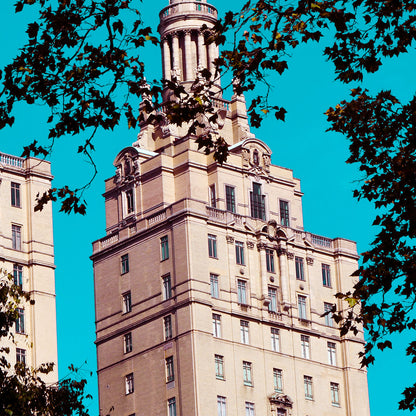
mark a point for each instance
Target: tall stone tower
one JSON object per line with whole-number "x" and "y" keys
{"x": 209, "y": 291}
{"x": 26, "y": 251}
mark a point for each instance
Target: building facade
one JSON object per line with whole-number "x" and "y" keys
{"x": 26, "y": 252}
{"x": 209, "y": 292}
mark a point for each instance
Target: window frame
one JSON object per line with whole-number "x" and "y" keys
{"x": 222, "y": 406}
{"x": 126, "y": 300}
{"x": 212, "y": 246}
{"x": 212, "y": 196}
{"x": 326, "y": 275}
{"x": 219, "y": 367}
{"x": 239, "y": 253}
{"x": 257, "y": 202}
{"x": 167, "y": 286}
{"x": 128, "y": 342}
{"x": 305, "y": 346}
{"x": 230, "y": 204}
{"x": 244, "y": 332}
{"x": 308, "y": 386}
{"x": 249, "y": 408}
{"x": 284, "y": 212}
{"x": 20, "y": 321}
{"x": 334, "y": 389}
{"x": 164, "y": 248}
{"x": 272, "y": 293}
{"x": 125, "y": 263}
{"x": 129, "y": 381}
{"x": 299, "y": 269}
{"x": 332, "y": 353}
{"x": 216, "y": 325}
{"x": 248, "y": 373}
{"x": 18, "y": 275}
{"x": 302, "y": 311}
{"x": 270, "y": 260}
{"x": 242, "y": 292}
{"x": 130, "y": 206}
{"x": 278, "y": 380}
{"x": 17, "y": 237}
{"x": 214, "y": 288}
{"x": 172, "y": 406}
{"x": 275, "y": 339}
{"x": 167, "y": 327}
{"x": 329, "y": 320}
{"x": 15, "y": 199}
{"x": 21, "y": 356}
{"x": 170, "y": 369}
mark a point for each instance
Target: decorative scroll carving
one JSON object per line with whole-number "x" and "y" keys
{"x": 281, "y": 251}
{"x": 250, "y": 245}
{"x": 309, "y": 261}
{"x": 230, "y": 240}
{"x": 290, "y": 255}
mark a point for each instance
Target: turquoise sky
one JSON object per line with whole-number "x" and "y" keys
{"x": 301, "y": 143}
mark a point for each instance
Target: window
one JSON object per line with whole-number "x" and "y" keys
{"x": 167, "y": 321}
{"x": 164, "y": 248}
{"x": 249, "y": 409}
{"x": 242, "y": 292}
{"x": 326, "y": 275}
{"x": 221, "y": 405}
{"x": 307, "y": 382}
{"x": 305, "y": 347}
{"x": 332, "y": 353}
{"x": 167, "y": 287}
{"x": 257, "y": 203}
{"x": 125, "y": 264}
{"x": 216, "y": 325}
{"x": 20, "y": 355}
{"x": 130, "y": 201}
{"x": 302, "y": 306}
{"x": 300, "y": 275}
{"x": 128, "y": 343}
{"x": 172, "y": 407}
{"x": 129, "y": 383}
{"x": 18, "y": 275}
{"x": 270, "y": 260}
{"x": 328, "y": 317}
{"x": 273, "y": 299}
{"x": 16, "y": 237}
{"x": 334, "y": 394}
{"x": 213, "y": 279}
{"x": 127, "y": 302}
{"x": 212, "y": 246}
{"x": 247, "y": 376}
{"x": 239, "y": 252}
{"x": 230, "y": 198}
{"x": 284, "y": 213}
{"x": 20, "y": 321}
{"x": 274, "y": 337}
{"x": 170, "y": 373}
{"x": 277, "y": 380}
{"x": 212, "y": 196}
{"x": 244, "y": 332}
{"x": 15, "y": 194}
{"x": 281, "y": 412}
{"x": 219, "y": 367}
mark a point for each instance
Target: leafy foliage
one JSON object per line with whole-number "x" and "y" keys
{"x": 22, "y": 390}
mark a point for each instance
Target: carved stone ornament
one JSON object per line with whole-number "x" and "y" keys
{"x": 250, "y": 245}
{"x": 281, "y": 251}
{"x": 309, "y": 261}
{"x": 230, "y": 240}
{"x": 290, "y": 255}
{"x": 261, "y": 246}
{"x": 282, "y": 402}
{"x": 118, "y": 174}
{"x": 245, "y": 154}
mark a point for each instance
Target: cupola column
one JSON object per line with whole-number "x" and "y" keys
{"x": 212, "y": 48}
{"x": 202, "y": 54}
{"x": 175, "y": 50}
{"x": 166, "y": 58}
{"x": 188, "y": 56}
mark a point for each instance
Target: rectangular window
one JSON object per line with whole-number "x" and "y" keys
{"x": 167, "y": 287}
{"x": 284, "y": 213}
{"x": 273, "y": 299}
{"x": 127, "y": 302}
{"x": 164, "y": 248}
{"x": 278, "y": 380}
{"x": 170, "y": 372}
{"x": 307, "y": 382}
{"x": 247, "y": 376}
{"x": 257, "y": 202}
{"x": 244, "y": 332}
{"x": 167, "y": 322}
{"x": 212, "y": 246}
{"x": 249, "y": 409}
{"x": 128, "y": 343}
{"x": 17, "y": 237}
{"x": 326, "y": 275}
{"x": 221, "y": 406}
{"x": 20, "y": 355}
{"x": 15, "y": 194}
{"x": 130, "y": 201}
{"x": 219, "y": 367}
{"x": 332, "y": 353}
{"x": 239, "y": 252}
{"x": 212, "y": 196}
{"x": 172, "y": 406}
{"x": 270, "y": 260}
{"x": 300, "y": 275}
{"x": 213, "y": 279}
{"x": 305, "y": 347}
{"x": 334, "y": 394}
{"x": 20, "y": 321}
{"x": 18, "y": 275}
{"x": 274, "y": 337}
{"x": 125, "y": 267}
{"x": 216, "y": 325}
{"x": 328, "y": 317}
{"x": 230, "y": 198}
{"x": 129, "y": 383}
{"x": 242, "y": 292}
{"x": 302, "y": 306}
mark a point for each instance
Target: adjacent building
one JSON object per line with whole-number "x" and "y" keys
{"x": 26, "y": 252}
{"x": 209, "y": 292}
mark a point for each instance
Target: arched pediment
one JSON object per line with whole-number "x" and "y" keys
{"x": 281, "y": 399}
{"x": 126, "y": 163}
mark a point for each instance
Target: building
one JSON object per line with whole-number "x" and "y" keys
{"x": 209, "y": 293}
{"x": 26, "y": 251}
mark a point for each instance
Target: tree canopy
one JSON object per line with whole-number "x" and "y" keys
{"x": 82, "y": 60}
